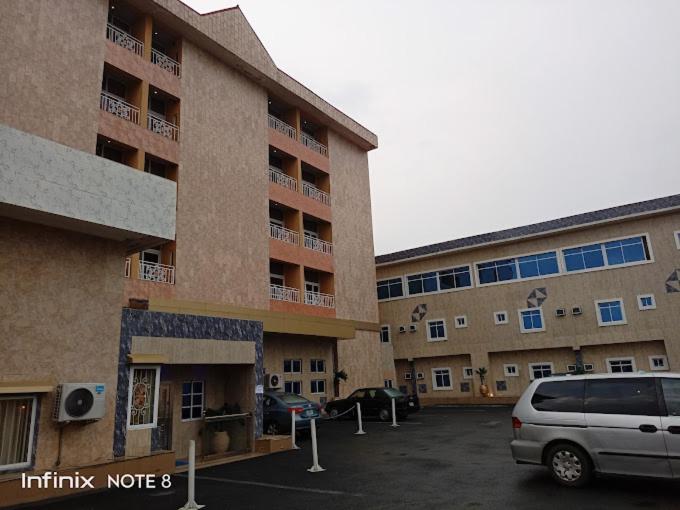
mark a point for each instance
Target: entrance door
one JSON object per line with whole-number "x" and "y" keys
{"x": 165, "y": 417}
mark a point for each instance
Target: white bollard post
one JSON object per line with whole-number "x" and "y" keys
{"x": 292, "y": 430}
{"x": 315, "y": 454}
{"x": 191, "y": 502}
{"x": 359, "y": 432}
{"x": 394, "y": 413}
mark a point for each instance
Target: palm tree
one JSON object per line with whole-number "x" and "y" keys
{"x": 481, "y": 372}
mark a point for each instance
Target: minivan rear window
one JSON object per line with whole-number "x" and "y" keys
{"x": 559, "y": 396}
{"x": 633, "y": 396}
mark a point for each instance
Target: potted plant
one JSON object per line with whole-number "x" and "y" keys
{"x": 483, "y": 388}
{"x": 340, "y": 375}
{"x": 220, "y": 437}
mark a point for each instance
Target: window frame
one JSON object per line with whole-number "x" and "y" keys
{"x": 658, "y": 369}
{"x": 621, "y": 358}
{"x": 32, "y": 432}
{"x": 604, "y": 254}
{"x": 456, "y": 325}
{"x": 191, "y": 406}
{"x": 314, "y": 366}
{"x": 407, "y": 292}
{"x": 676, "y": 236}
{"x": 291, "y": 365}
{"x": 408, "y": 376}
{"x": 508, "y": 374}
{"x": 536, "y": 363}
{"x": 603, "y": 324}
{"x": 292, "y": 387}
{"x": 388, "y": 383}
{"x": 498, "y": 322}
{"x": 404, "y": 294}
{"x": 642, "y": 307}
{"x": 429, "y": 331}
{"x": 434, "y": 379}
{"x": 522, "y": 329}
{"x": 385, "y": 328}
{"x": 157, "y": 388}
{"x": 465, "y": 374}
{"x": 515, "y": 258}
{"x": 317, "y": 381}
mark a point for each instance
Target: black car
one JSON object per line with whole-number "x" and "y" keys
{"x": 374, "y": 402}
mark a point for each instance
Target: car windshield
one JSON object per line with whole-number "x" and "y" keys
{"x": 393, "y": 392}
{"x": 292, "y": 398}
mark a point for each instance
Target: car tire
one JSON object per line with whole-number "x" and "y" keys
{"x": 334, "y": 413}
{"x": 385, "y": 414}
{"x": 272, "y": 429}
{"x": 569, "y": 465}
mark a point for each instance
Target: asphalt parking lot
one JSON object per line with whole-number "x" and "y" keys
{"x": 439, "y": 458}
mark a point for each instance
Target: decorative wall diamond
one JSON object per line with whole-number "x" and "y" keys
{"x": 418, "y": 313}
{"x": 537, "y": 297}
{"x": 673, "y": 282}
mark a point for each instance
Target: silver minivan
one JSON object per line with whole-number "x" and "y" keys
{"x": 576, "y": 425}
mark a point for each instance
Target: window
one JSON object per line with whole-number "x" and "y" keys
{"x": 631, "y": 395}
{"x": 527, "y": 266}
{"x": 408, "y": 376}
{"x": 436, "y": 330}
{"x": 17, "y": 427}
{"x": 441, "y": 280}
{"x": 388, "y": 383}
{"x": 677, "y": 239}
{"x": 610, "y": 312}
{"x": 531, "y": 320}
{"x": 500, "y": 318}
{"x": 646, "y": 302}
{"x": 559, "y": 396}
{"x": 441, "y": 379}
{"x": 540, "y": 370}
{"x": 620, "y": 365}
{"x": 659, "y": 362}
{"x": 192, "y": 400}
{"x": 671, "y": 394}
{"x": 292, "y": 366}
{"x": 143, "y": 397}
{"x": 389, "y": 289}
{"x": 588, "y": 367}
{"x": 385, "y": 334}
{"x": 460, "y": 321}
{"x": 611, "y": 253}
{"x": 317, "y": 366}
{"x": 511, "y": 370}
{"x": 468, "y": 373}
{"x": 318, "y": 386}
{"x": 293, "y": 387}
{"x": 276, "y": 274}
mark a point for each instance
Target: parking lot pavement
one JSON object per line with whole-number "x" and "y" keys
{"x": 455, "y": 457}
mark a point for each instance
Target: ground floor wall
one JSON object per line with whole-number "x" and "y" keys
{"x": 360, "y": 358}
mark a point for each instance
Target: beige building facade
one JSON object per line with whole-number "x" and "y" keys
{"x": 596, "y": 292}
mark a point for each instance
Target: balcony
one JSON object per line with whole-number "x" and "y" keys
{"x": 154, "y": 272}
{"x": 165, "y": 62}
{"x": 316, "y": 244}
{"x": 116, "y": 106}
{"x": 307, "y": 140}
{"x": 278, "y": 177}
{"x": 311, "y": 143}
{"x": 162, "y": 127}
{"x": 124, "y": 40}
{"x": 319, "y": 299}
{"x": 282, "y": 127}
{"x": 283, "y": 234}
{"x": 281, "y": 293}
{"x": 315, "y": 193}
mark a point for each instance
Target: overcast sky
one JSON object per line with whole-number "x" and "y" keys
{"x": 491, "y": 113}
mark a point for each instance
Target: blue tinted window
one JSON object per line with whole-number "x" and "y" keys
{"x": 584, "y": 257}
{"x": 532, "y": 319}
{"x": 390, "y": 288}
{"x": 462, "y": 275}
{"x": 626, "y": 251}
{"x": 538, "y": 265}
{"x": 610, "y": 311}
{"x": 420, "y": 283}
{"x": 497, "y": 271}
{"x": 454, "y": 278}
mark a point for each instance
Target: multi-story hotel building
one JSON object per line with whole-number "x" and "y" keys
{"x": 596, "y": 292}
{"x": 180, "y": 219}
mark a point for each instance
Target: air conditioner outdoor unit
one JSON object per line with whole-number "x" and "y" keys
{"x": 420, "y": 376}
{"x": 413, "y": 328}
{"x": 273, "y": 381}
{"x": 560, "y": 312}
{"x": 402, "y": 329}
{"x": 79, "y": 402}
{"x": 576, "y": 310}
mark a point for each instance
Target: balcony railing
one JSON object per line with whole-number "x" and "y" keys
{"x": 316, "y": 244}
{"x": 128, "y": 264}
{"x": 162, "y": 127}
{"x": 283, "y": 234}
{"x": 281, "y": 293}
{"x": 155, "y": 272}
{"x": 278, "y": 177}
{"x": 123, "y": 39}
{"x": 282, "y": 127}
{"x": 311, "y": 143}
{"x": 312, "y": 191}
{"x": 118, "y": 107}
{"x": 165, "y": 62}
{"x": 319, "y": 299}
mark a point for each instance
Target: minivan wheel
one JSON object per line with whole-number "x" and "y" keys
{"x": 569, "y": 465}
{"x": 333, "y": 413}
{"x": 384, "y": 414}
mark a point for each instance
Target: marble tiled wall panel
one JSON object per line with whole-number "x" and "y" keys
{"x": 41, "y": 175}
{"x": 60, "y": 322}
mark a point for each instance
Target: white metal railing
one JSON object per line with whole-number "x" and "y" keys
{"x": 165, "y": 62}
{"x": 283, "y": 234}
{"x": 316, "y": 244}
{"x": 155, "y": 272}
{"x": 128, "y": 264}
{"x": 281, "y": 293}
{"x": 118, "y": 107}
{"x": 162, "y": 127}
{"x": 319, "y": 299}
{"x": 122, "y": 38}
{"x": 278, "y": 177}
{"x": 311, "y": 191}
{"x": 282, "y": 127}
{"x": 311, "y": 143}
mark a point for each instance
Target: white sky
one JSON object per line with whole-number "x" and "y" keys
{"x": 491, "y": 113}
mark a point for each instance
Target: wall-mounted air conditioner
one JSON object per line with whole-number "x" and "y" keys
{"x": 576, "y": 310}
{"x": 420, "y": 376}
{"x": 413, "y": 328}
{"x": 79, "y": 401}
{"x": 402, "y": 329}
{"x": 273, "y": 381}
